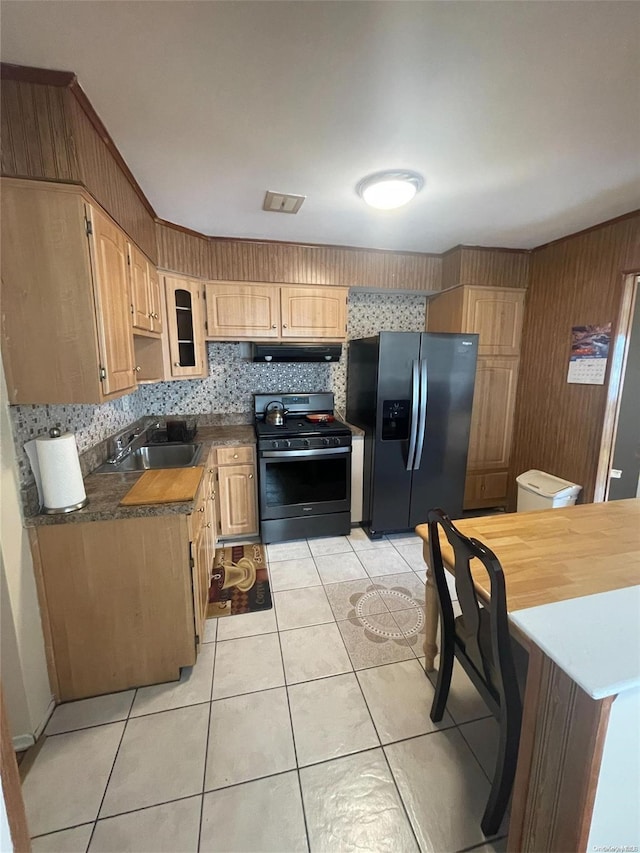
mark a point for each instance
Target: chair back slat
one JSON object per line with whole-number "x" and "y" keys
{"x": 465, "y": 550}
{"x": 479, "y": 640}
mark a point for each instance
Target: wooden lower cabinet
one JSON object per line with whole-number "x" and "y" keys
{"x": 237, "y": 493}
{"x": 203, "y": 547}
{"x": 123, "y": 602}
{"x": 485, "y": 490}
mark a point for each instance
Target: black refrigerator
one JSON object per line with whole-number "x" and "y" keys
{"x": 412, "y": 393}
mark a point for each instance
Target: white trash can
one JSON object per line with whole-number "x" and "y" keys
{"x": 538, "y": 490}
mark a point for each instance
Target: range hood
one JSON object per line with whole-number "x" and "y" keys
{"x": 296, "y": 352}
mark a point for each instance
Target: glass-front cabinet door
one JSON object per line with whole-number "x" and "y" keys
{"x": 186, "y": 327}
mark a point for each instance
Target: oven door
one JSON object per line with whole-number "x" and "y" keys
{"x": 304, "y": 482}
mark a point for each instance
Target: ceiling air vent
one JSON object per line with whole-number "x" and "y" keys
{"x": 282, "y": 202}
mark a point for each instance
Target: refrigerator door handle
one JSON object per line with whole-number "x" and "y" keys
{"x": 423, "y": 414}
{"x": 415, "y": 401}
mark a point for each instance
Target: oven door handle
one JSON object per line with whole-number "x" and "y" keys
{"x": 294, "y": 454}
{"x": 414, "y": 414}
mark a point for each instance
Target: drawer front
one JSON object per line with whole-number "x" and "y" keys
{"x": 236, "y": 455}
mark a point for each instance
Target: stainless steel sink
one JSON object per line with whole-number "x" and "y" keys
{"x": 152, "y": 456}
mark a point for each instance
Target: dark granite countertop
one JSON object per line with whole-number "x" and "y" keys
{"x": 105, "y": 491}
{"x": 354, "y": 429}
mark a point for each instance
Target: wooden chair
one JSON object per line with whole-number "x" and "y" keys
{"x": 479, "y": 638}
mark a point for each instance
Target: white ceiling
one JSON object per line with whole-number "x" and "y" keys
{"x": 523, "y": 117}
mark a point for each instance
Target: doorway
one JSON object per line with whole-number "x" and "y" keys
{"x": 619, "y": 469}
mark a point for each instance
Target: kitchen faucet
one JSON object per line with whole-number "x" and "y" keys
{"x": 122, "y": 444}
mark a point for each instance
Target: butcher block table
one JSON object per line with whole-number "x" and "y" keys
{"x": 550, "y": 555}
{"x": 572, "y": 579}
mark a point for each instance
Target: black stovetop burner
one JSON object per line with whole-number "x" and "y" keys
{"x": 300, "y": 426}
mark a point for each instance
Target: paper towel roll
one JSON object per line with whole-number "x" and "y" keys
{"x": 61, "y": 486}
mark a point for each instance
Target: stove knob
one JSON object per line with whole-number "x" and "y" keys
{"x": 306, "y": 442}
{"x": 325, "y": 441}
{"x": 274, "y": 444}
{"x": 336, "y": 441}
{"x": 287, "y": 443}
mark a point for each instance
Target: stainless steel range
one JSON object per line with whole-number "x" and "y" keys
{"x": 304, "y": 468}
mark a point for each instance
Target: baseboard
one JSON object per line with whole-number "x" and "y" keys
{"x": 50, "y": 709}
{"x": 23, "y": 742}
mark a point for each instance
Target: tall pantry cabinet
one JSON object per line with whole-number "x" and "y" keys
{"x": 495, "y": 314}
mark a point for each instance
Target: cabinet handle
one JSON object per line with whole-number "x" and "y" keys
{"x": 251, "y": 476}
{"x": 137, "y": 368}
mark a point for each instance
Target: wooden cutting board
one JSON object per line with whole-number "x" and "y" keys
{"x": 163, "y": 486}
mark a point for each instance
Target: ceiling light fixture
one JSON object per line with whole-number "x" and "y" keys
{"x": 390, "y": 189}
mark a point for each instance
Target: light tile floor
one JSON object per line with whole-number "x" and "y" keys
{"x": 305, "y": 727}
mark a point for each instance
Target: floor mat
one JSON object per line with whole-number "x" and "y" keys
{"x": 240, "y": 581}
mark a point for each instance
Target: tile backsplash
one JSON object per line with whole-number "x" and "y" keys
{"x": 232, "y": 379}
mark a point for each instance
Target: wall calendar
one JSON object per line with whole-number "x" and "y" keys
{"x": 589, "y": 354}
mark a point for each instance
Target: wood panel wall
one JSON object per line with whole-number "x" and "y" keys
{"x": 46, "y": 133}
{"x": 574, "y": 281}
{"x": 494, "y": 267}
{"x": 182, "y": 251}
{"x": 330, "y": 265}
{"x": 486, "y": 266}
{"x": 101, "y": 174}
{"x": 37, "y": 139}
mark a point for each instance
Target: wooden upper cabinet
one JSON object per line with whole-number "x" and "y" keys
{"x": 146, "y": 308}
{"x": 492, "y": 414}
{"x": 139, "y": 284}
{"x": 237, "y": 311}
{"x": 260, "y": 312}
{"x": 66, "y": 317}
{"x": 187, "y": 349}
{"x": 495, "y": 313}
{"x": 156, "y": 303}
{"x": 111, "y": 292}
{"x": 309, "y": 312}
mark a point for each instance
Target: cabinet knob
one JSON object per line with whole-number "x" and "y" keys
{"x": 150, "y": 315}
{"x": 274, "y": 326}
{"x": 137, "y": 368}
{"x": 213, "y": 494}
{"x": 156, "y": 316}
{"x": 201, "y": 509}
{"x": 211, "y": 470}
{"x": 284, "y": 325}
{"x": 177, "y": 364}
{"x": 251, "y": 476}
{"x": 208, "y": 524}
{"x": 235, "y": 455}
